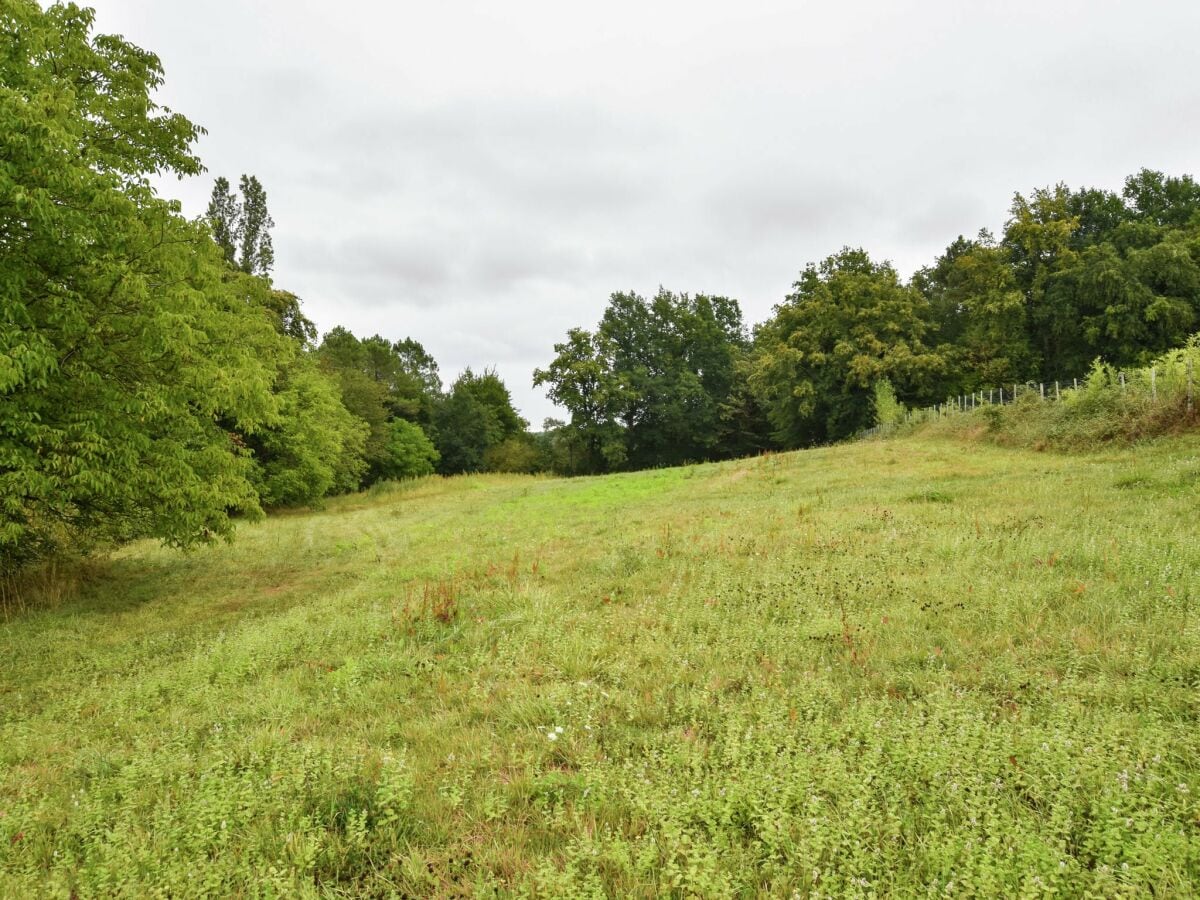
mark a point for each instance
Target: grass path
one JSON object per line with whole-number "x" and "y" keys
{"x": 908, "y": 667}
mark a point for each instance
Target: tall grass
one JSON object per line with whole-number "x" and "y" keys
{"x": 1110, "y": 405}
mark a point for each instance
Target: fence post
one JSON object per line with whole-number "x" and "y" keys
{"x": 1153, "y": 384}
{"x": 1076, "y": 380}
{"x": 1014, "y": 392}
{"x": 1122, "y": 375}
{"x": 1189, "y": 367}
{"x": 1057, "y": 392}
{"x": 1042, "y": 386}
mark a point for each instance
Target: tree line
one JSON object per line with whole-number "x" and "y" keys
{"x": 1076, "y": 276}
{"x": 156, "y": 382}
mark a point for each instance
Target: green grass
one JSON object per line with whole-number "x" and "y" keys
{"x": 923, "y": 666}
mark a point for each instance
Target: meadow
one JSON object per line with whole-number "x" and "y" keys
{"x": 927, "y": 666}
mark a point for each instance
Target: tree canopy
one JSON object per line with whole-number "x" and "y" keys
{"x": 123, "y": 343}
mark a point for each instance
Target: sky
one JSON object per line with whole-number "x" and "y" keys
{"x": 481, "y": 176}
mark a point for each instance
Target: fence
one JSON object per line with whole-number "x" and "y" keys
{"x": 1170, "y": 376}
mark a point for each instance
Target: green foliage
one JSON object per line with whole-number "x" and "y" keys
{"x": 849, "y": 323}
{"x": 410, "y": 452}
{"x": 979, "y": 316}
{"x": 1109, "y": 406}
{"x": 224, "y": 214}
{"x": 476, "y": 416}
{"x": 289, "y": 319}
{"x": 241, "y": 226}
{"x": 256, "y": 254}
{"x": 579, "y": 380}
{"x": 888, "y": 410}
{"x": 1106, "y": 277}
{"x": 657, "y": 384}
{"x": 315, "y": 447}
{"x": 123, "y": 340}
{"x": 515, "y": 454}
{"x": 382, "y": 383}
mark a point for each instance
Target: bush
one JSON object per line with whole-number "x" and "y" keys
{"x": 888, "y": 410}
{"x": 515, "y": 454}
{"x": 410, "y": 452}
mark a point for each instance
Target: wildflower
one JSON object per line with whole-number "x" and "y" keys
{"x": 552, "y": 736}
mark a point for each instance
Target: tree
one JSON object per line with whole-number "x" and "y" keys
{"x": 411, "y": 453}
{"x": 289, "y": 318}
{"x": 474, "y": 417}
{"x": 654, "y": 385}
{"x": 1106, "y": 276}
{"x": 849, "y": 323}
{"x": 242, "y": 226}
{"x": 979, "y": 316}
{"x": 382, "y": 382}
{"x": 673, "y": 359}
{"x": 224, "y": 217}
{"x": 520, "y": 454}
{"x": 315, "y": 447}
{"x": 256, "y": 252}
{"x": 1040, "y": 239}
{"x": 123, "y": 345}
{"x": 580, "y": 380}
{"x": 463, "y": 431}
{"x": 1163, "y": 200}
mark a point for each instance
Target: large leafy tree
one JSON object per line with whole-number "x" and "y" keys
{"x": 849, "y": 323}
{"x": 123, "y": 343}
{"x": 476, "y": 416}
{"x": 672, "y": 359}
{"x": 411, "y": 453}
{"x": 1106, "y": 275}
{"x": 978, "y": 316}
{"x": 580, "y": 380}
{"x": 1040, "y": 238}
{"x": 380, "y": 383}
{"x": 656, "y": 383}
{"x": 315, "y": 447}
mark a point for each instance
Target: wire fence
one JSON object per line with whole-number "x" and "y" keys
{"x": 1171, "y": 378}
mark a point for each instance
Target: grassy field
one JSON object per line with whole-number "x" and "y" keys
{"x": 915, "y": 667}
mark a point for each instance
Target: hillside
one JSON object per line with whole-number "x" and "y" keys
{"x": 913, "y": 666}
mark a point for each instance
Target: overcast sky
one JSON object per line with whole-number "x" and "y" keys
{"x": 482, "y": 175}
